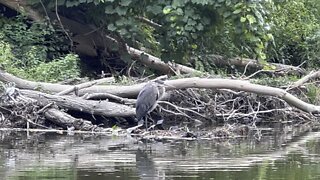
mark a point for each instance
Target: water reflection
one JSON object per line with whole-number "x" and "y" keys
{"x": 55, "y": 156}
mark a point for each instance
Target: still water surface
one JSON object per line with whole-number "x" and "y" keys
{"x": 81, "y": 157}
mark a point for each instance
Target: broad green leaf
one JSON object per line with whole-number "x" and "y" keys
{"x": 228, "y": 2}
{"x": 237, "y": 11}
{"x": 173, "y": 18}
{"x": 167, "y": 10}
{"x": 109, "y": 9}
{"x": 154, "y": 9}
{"x": 179, "y": 11}
{"x": 262, "y": 56}
{"x": 120, "y": 22}
{"x": 251, "y": 18}
{"x": 121, "y": 10}
{"x": 226, "y": 14}
{"x": 243, "y": 19}
{"x": 238, "y": 5}
{"x": 123, "y": 31}
{"x": 191, "y": 22}
{"x": 125, "y": 2}
{"x": 112, "y": 27}
{"x": 177, "y": 3}
{"x": 188, "y": 28}
{"x": 71, "y": 3}
{"x": 200, "y": 26}
{"x": 269, "y": 36}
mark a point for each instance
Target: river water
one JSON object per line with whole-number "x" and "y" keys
{"x": 81, "y": 157}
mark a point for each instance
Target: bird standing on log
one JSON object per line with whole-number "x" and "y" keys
{"x": 147, "y": 99}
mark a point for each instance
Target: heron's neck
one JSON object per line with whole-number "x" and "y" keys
{"x": 161, "y": 91}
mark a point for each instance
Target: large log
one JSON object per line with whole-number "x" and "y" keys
{"x": 243, "y": 86}
{"x": 65, "y": 120}
{"x": 104, "y": 108}
{"x": 253, "y": 65}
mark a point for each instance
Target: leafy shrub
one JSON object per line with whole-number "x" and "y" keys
{"x": 34, "y": 51}
{"x": 295, "y": 28}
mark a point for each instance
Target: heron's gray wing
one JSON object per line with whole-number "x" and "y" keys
{"x": 147, "y": 98}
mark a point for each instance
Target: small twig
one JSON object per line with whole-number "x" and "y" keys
{"x": 45, "y": 107}
{"x": 256, "y": 112}
{"x": 245, "y": 69}
{"x": 175, "y": 113}
{"x": 76, "y": 88}
{"x": 109, "y": 96}
{"x": 149, "y": 22}
{"x": 64, "y": 30}
{"x": 181, "y": 108}
{"x": 44, "y": 9}
{"x": 255, "y": 73}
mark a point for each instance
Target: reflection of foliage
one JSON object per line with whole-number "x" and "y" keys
{"x": 45, "y": 173}
{"x": 25, "y": 51}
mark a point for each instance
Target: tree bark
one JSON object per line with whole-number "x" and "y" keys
{"x": 253, "y": 64}
{"x": 104, "y": 108}
{"x": 243, "y": 86}
{"x": 65, "y": 120}
{"x": 21, "y": 5}
{"x": 157, "y": 64}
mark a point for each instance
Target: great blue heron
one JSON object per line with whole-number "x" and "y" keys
{"x": 148, "y": 98}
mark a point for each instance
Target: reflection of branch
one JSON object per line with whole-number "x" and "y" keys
{"x": 254, "y": 113}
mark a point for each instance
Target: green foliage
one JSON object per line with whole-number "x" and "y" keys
{"x": 276, "y": 81}
{"x": 313, "y": 93}
{"x": 183, "y": 29}
{"x": 295, "y": 26}
{"x": 58, "y": 69}
{"x": 25, "y": 51}
{"x": 187, "y": 27}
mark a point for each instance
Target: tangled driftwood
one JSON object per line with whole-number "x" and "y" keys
{"x": 227, "y": 101}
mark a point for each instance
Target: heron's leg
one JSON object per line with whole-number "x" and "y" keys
{"x": 146, "y": 122}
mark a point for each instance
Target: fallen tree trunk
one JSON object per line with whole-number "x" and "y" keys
{"x": 65, "y": 120}
{"x": 131, "y": 91}
{"x": 243, "y": 86}
{"x": 254, "y": 65}
{"x": 104, "y": 108}
{"x": 311, "y": 75}
{"x": 157, "y": 64}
